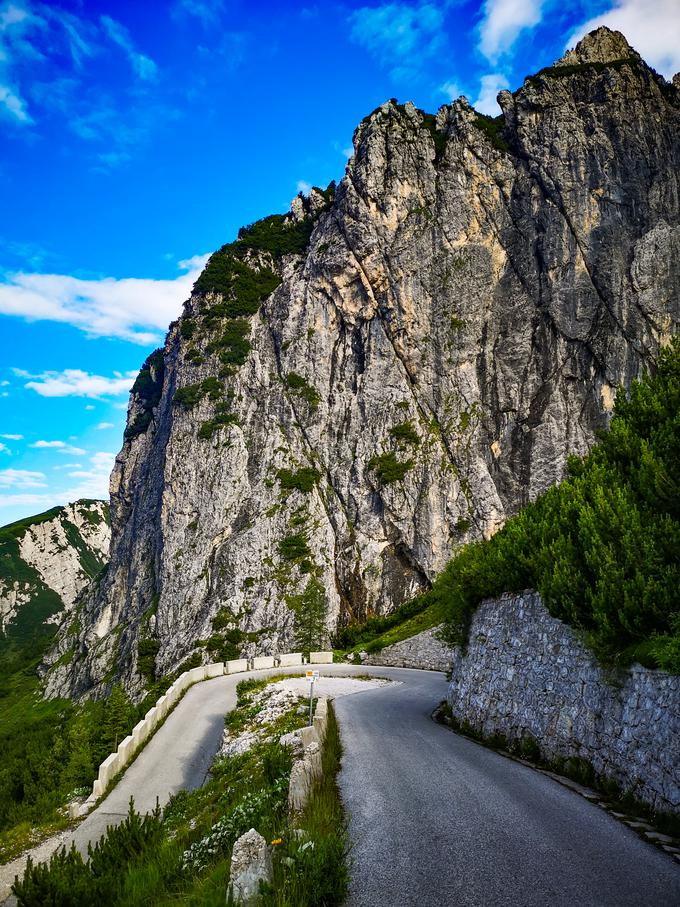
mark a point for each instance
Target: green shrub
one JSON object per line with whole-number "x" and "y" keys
{"x": 147, "y": 649}
{"x": 188, "y": 396}
{"x": 147, "y": 390}
{"x": 492, "y": 127}
{"x": 302, "y": 389}
{"x": 601, "y": 547}
{"x": 388, "y": 468}
{"x": 303, "y": 479}
{"x": 405, "y": 431}
{"x": 221, "y": 418}
{"x": 294, "y": 547}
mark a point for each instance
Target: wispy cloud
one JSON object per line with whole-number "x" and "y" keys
{"x": 451, "y": 90}
{"x": 489, "y": 86}
{"x": 304, "y": 186}
{"x": 143, "y": 66}
{"x": 60, "y": 447}
{"x": 102, "y": 426}
{"x": 502, "y": 23}
{"x": 13, "y": 437}
{"x": 401, "y": 36}
{"x": 21, "y": 478}
{"x": 208, "y": 12}
{"x": 651, "y": 26}
{"x": 134, "y": 309}
{"x": 90, "y": 482}
{"x": 73, "y": 382}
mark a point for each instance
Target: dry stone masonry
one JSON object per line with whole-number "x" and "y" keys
{"x": 424, "y": 651}
{"x": 456, "y": 327}
{"x": 526, "y": 674}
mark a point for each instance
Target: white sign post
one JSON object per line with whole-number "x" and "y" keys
{"x": 311, "y": 676}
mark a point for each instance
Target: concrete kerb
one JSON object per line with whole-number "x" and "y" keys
{"x": 309, "y": 769}
{"x": 144, "y": 729}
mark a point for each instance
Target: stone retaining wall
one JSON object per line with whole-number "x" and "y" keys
{"x": 526, "y": 674}
{"x": 423, "y": 651}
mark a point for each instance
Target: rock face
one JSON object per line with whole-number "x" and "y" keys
{"x": 526, "y": 675}
{"x": 47, "y": 560}
{"x": 455, "y": 326}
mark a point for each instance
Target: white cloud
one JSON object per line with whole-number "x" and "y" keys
{"x": 489, "y": 86}
{"x": 451, "y": 90}
{"x": 651, "y": 26}
{"x": 348, "y": 151}
{"x": 89, "y": 483}
{"x": 60, "y": 446}
{"x": 4, "y": 448}
{"x": 502, "y": 23}
{"x": 399, "y": 35}
{"x": 14, "y": 105}
{"x": 101, "y": 426}
{"x": 93, "y": 482}
{"x": 304, "y": 186}
{"x": 73, "y": 382}
{"x": 135, "y": 309}
{"x": 21, "y": 478}
{"x": 13, "y": 437}
{"x": 206, "y": 11}
{"x": 89, "y": 407}
{"x": 143, "y": 66}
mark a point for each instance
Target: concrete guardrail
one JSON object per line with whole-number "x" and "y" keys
{"x": 143, "y": 730}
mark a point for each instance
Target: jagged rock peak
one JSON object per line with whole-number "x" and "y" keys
{"x": 600, "y": 46}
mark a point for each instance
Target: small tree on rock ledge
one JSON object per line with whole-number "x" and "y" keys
{"x": 310, "y": 609}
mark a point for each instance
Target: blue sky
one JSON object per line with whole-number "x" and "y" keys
{"x": 135, "y": 138}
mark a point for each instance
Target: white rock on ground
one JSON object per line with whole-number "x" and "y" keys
{"x": 251, "y": 863}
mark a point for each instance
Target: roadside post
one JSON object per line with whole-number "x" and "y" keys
{"x": 311, "y": 677}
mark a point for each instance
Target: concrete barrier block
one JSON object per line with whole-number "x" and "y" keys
{"x": 107, "y": 770}
{"x": 236, "y": 666}
{"x": 214, "y": 670}
{"x": 97, "y": 789}
{"x": 309, "y": 735}
{"x": 162, "y": 706}
{"x": 263, "y": 661}
{"x": 321, "y": 706}
{"x": 290, "y": 658}
{"x": 196, "y": 674}
{"x": 320, "y": 658}
{"x": 126, "y": 749}
{"x": 320, "y": 725}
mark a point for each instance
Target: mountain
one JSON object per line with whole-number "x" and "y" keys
{"x": 45, "y": 562}
{"x": 358, "y": 388}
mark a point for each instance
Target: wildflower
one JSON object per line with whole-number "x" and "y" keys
{"x": 277, "y": 841}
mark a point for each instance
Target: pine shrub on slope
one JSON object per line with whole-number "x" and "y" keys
{"x": 603, "y": 547}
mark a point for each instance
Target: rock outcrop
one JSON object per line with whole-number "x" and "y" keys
{"x": 47, "y": 560}
{"x": 357, "y": 389}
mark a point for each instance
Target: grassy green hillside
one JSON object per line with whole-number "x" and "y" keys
{"x": 602, "y": 548}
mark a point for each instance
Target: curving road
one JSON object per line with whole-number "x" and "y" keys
{"x": 438, "y": 820}
{"x": 434, "y": 819}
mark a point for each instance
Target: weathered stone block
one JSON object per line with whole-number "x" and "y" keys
{"x": 236, "y": 666}
{"x": 251, "y": 864}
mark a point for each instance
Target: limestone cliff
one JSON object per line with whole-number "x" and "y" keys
{"x": 360, "y": 387}
{"x": 47, "y": 560}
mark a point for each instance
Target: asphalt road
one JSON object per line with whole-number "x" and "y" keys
{"x": 437, "y": 820}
